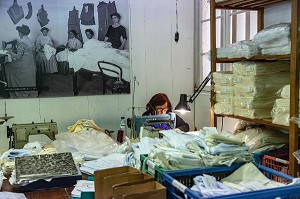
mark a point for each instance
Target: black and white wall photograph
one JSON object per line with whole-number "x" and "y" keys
{"x": 63, "y": 48}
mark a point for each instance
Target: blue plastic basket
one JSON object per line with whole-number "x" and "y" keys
{"x": 178, "y": 184}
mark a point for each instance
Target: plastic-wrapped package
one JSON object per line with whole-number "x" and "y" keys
{"x": 253, "y": 113}
{"x": 260, "y": 68}
{"x": 262, "y": 139}
{"x": 92, "y": 144}
{"x": 282, "y": 41}
{"x": 284, "y": 92}
{"x": 224, "y": 98}
{"x": 253, "y": 102}
{"x": 282, "y": 78}
{"x": 272, "y": 32}
{"x": 223, "y": 108}
{"x": 281, "y": 105}
{"x": 281, "y": 118}
{"x": 246, "y": 48}
{"x": 281, "y": 50}
{"x": 223, "y": 78}
{"x": 243, "y": 125}
{"x": 244, "y": 90}
{"x": 228, "y": 90}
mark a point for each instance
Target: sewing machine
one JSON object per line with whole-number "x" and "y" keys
{"x": 21, "y": 132}
{"x": 143, "y": 124}
{"x": 13, "y": 44}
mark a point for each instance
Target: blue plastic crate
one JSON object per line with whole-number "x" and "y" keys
{"x": 178, "y": 184}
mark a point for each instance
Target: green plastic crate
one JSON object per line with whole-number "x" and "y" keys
{"x": 151, "y": 168}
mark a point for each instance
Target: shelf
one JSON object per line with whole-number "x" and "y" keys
{"x": 255, "y": 58}
{"x": 266, "y": 122}
{"x": 293, "y": 57}
{"x": 246, "y": 4}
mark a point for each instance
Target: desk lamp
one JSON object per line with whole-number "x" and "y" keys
{"x": 183, "y": 106}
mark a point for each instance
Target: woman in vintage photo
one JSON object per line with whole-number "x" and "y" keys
{"x": 116, "y": 33}
{"x": 21, "y": 72}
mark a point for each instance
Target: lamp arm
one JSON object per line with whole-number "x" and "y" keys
{"x": 200, "y": 88}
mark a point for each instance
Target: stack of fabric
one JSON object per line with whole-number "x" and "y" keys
{"x": 274, "y": 40}
{"x": 220, "y": 148}
{"x": 206, "y": 148}
{"x": 281, "y": 108}
{"x": 254, "y": 90}
{"x": 223, "y": 87}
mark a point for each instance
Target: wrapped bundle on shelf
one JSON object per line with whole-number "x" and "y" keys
{"x": 246, "y": 48}
{"x": 223, "y": 78}
{"x": 282, "y": 78}
{"x": 221, "y": 98}
{"x": 284, "y": 92}
{"x": 272, "y": 33}
{"x": 281, "y": 50}
{"x": 223, "y": 108}
{"x": 253, "y": 102}
{"x": 227, "y": 90}
{"x": 253, "y": 113}
{"x": 281, "y": 111}
{"x": 243, "y": 90}
{"x": 274, "y": 40}
{"x": 260, "y": 68}
{"x": 241, "y": 49}
{"x": 263, "y": 139}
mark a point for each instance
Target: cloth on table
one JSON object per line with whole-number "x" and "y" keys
{"x": 94, "y": 51}
{"x": 90, "y": 144}
{"x": 83, "y": 124}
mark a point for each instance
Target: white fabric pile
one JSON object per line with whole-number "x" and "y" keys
{"x": 263, "y": 139}
{"x": 245, "y": 48}
{"x": 281, "y": 109}
{"x": 201, "y": 149}
{"x": 245, "y": 179}
{"x": 223, "y": 87}
{"x": 254, "y": 88}
{"x": 275, "y": 39}
{"x": 93, "y": 51}
{"x": 220, "y": 148}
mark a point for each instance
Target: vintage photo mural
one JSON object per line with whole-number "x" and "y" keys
{"x": 64, "y": 48}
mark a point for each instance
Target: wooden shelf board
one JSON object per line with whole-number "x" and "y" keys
{"x": 255, "y": 58}
{"x": 246, "y": 4}
{"x": 266, "y": 122}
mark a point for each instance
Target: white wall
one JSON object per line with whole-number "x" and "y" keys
{"x": 159, "y": 64}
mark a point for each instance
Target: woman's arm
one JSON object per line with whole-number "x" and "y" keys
{"x": 20, "y": 51}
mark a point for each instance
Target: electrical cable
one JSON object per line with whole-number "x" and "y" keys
{"x": 176, "y": 33}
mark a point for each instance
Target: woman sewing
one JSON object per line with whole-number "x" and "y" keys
{"x": 160, "y": 104}
{"x": 21, "y": 72}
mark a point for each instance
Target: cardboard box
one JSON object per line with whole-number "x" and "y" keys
{"x": 149, "y": 190}
{"x": 106, "y": 179}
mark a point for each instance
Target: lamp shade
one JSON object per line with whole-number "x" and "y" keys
{"x": 183, "y": 106}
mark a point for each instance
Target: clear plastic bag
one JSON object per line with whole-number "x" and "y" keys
{"x": 272, "y": 32}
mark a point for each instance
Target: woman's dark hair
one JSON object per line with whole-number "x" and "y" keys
{"x": 115, "y": 14}
{"x": 158, "y": 99}
{"x": 90, "y": 31}
{"x": 74, "y": 32}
